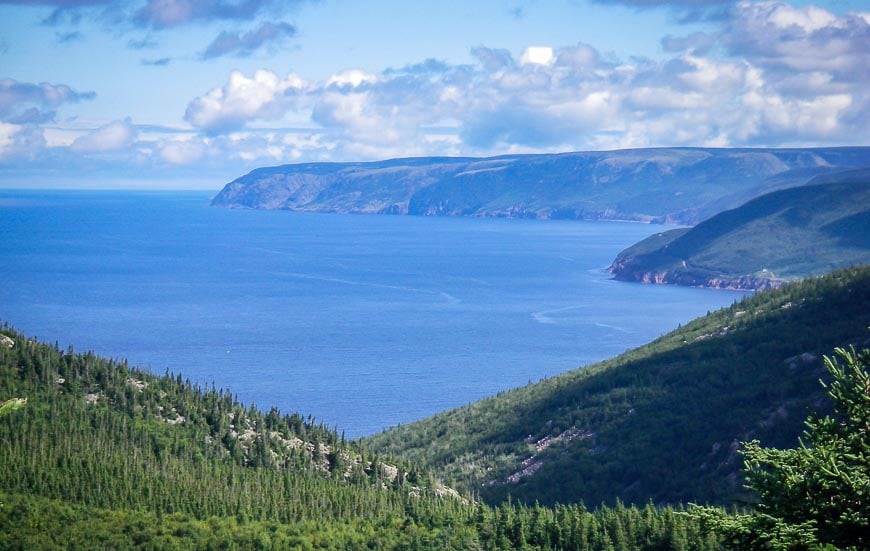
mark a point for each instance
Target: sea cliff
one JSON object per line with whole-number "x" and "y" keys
{"x": 666, "y": 185}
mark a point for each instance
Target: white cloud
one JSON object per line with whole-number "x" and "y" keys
{"x": 537, "y": 55}
{"x": 7, "y": 133}
{"x": 706, "y": 74}
{"x": 265, "y": 96}
{"x": 20, "y": 142}
{"x": 809, "y": 19}
{"x": 114, "y": 136}
{"x": 352, "y": 78}
{"x": 551, "y": 99}
{"x": 581, "y": 56}
{"x": 771, "y": 74}
{"x": 182, "y": 152}
{"x": 775, "y": 35}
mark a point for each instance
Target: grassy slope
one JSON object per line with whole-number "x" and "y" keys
{"x": 661, "y": 421}
{"x": 783, "y": 235}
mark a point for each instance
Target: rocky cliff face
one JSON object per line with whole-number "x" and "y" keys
{"x": 689, "y": 279}
{"x": 674, "y": 185}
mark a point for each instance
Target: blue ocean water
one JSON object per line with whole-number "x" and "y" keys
{"x": 363, "y": 322}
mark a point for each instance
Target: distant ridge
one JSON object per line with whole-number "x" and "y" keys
{"x": 779, "y": 237}
{"x": 678, "y": 185}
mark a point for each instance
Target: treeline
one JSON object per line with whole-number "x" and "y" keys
{"x": 28, "y": 522}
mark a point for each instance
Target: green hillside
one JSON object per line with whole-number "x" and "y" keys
{"x": 661, "y": 422}
{"x": 102, "y": 456}
{"x": 101, "y": 436}
{"x": 781, "y": 236}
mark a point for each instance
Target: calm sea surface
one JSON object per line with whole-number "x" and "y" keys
{"x": 362, "y": 321}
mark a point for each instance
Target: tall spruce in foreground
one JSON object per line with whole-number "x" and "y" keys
{"x": 817, "y": 494}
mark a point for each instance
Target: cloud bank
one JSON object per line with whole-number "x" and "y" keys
{"x": 783, "y": 76}
{"x": 770, "y": 74}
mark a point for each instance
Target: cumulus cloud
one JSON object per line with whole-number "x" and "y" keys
{"x": 234, "y": 43}
{"x": 350, "y": 79}
{"x": 7, "y": 137}
{"x": 716, "y": 89}
{"x": 265, "y": 96}
{"x": 28, "y": 102}
{"x": 182, "y": 152}
{"x": 698, "y": 42}
{"x": 768, "y": 74}
{"x": 430, "y": 66}
{"x": 780, "y": 37}
{"x": 537, "y": 55}
{"x": 493, "y": 59}
{"x": 115, "y": 136}
{"x": 20, "y": 142}
{"x": 578, "y": 57}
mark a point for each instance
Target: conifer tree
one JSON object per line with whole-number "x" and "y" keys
{"x": 817, "y": 494}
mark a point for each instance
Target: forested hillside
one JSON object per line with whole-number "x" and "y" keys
{"x": 779, "y": 237}
{"x": 103, "y": 456}
{"x": 661, "y": 422}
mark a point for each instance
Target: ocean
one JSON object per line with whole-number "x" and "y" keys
{"x": 363, "y": 322}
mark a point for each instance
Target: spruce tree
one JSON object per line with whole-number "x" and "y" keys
{"x": 817, "y": 494}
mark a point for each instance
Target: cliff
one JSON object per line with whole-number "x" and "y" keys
{"x": 674, "y": 185}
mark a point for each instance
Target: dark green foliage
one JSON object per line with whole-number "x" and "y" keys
{"x": 28, "y": 522}
{"x": 100, "y": 434}
{"x": 660, "y": 422}
{"x": 826, "y": 480}
{"x": 788, "y": 234}
{"x": 108, "y": 457}
{"x": 818, "y": 493}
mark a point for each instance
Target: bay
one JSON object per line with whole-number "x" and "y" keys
{"x": 364, "y": 322}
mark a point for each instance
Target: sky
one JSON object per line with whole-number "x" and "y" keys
{"x": 190, "y": 94}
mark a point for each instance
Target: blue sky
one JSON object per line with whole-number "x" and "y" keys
{"x": 192, "y": 93}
